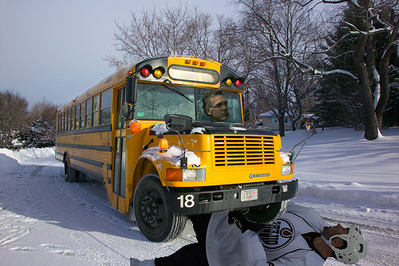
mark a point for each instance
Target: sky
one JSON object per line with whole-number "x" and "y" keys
{"x": 53, "y": 49}
{"x": 47, "y": 221}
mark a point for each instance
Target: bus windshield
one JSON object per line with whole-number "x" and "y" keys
{"x": 155, "y": 101}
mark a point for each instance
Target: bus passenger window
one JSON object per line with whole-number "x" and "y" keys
{"x": 121, "y": 101}
{"x": 82, "y": 115}
{"x": 105, "y": 112}
{"x": 68, "y": 119}
{"x": 88, "y": 113}
{"x": 62, "y": 122}
{"x": 77, "y": 116}
{"x": 73, "y": 118}
{"x": 95, "y": 111}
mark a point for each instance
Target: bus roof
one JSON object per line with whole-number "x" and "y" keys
{"x": 120, "y": 76}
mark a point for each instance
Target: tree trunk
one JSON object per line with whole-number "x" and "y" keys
{"x": 371, "y": 128}
{"x": 281, "y": 125}
{"x": 384, "y": 82}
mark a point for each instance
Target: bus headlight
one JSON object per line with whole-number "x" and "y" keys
{"x": 193, "y": 174}
{"x": 286, "y": 169}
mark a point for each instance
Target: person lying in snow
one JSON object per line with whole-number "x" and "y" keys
{"x": 298, "y": 237}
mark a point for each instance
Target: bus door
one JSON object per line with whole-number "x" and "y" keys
{"x": 119, "y": 169}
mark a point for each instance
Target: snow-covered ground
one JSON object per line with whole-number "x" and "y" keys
{"x": 47, "y": 221}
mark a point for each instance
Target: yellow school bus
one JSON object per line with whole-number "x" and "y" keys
{"x": 145, "y": 133}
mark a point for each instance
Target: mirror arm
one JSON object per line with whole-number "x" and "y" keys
{"x": 183, "y": 158}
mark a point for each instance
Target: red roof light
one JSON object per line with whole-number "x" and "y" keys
{"x": 237, "y": 83}
{"x": 145, "y": 72}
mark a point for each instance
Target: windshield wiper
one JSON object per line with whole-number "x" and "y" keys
{"x": 175, "y": 89}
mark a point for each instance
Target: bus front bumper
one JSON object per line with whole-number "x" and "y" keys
{"x": 221, "y": 199}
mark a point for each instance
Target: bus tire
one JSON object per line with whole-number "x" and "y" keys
{"x": 82, "y": 177}
{"x": 152, "y": 214}
{"x": 69, "y": 173}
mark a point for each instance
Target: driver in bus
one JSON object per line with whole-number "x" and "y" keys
{"x": 215, "y": 105}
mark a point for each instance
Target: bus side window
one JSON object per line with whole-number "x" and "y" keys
{"x": 95, "y": 111}
{"x": 73, "y": 118}
{"x": 121, "y": 101}
{"x": 82, "y": 115}
{"x": 88, "y": 112}
{"x": 68, "y": 120}
{"x": 63, "y": 122}
{"x": 77, "y": 115}
{"x": 105, "y": 111}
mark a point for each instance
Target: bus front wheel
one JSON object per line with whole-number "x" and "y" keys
{"x": 152, "y": 215}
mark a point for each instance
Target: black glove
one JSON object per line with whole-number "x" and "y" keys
{"x": 239, "y": 219}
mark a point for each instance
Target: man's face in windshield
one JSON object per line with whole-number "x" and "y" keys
{"x": 218, "y": 109}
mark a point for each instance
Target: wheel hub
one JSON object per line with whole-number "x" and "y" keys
{"x": 149, "y": 210}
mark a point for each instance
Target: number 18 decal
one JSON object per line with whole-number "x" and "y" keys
{"x": 187, "y": 201}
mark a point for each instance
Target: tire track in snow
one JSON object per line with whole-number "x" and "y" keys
{"x": 88, "y": 219}
{"x": 74, "y": 218}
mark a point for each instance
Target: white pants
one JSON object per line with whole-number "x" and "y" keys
{"x": 226, "y": 245}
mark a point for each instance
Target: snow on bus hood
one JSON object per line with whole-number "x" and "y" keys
{"x": 172, "y": 155}
{"x": 161, "y": 128}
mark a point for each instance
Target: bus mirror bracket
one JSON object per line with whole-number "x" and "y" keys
{"x": 178, "y": 123}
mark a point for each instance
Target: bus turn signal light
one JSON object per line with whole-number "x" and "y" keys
{"x": 135, "y": 126}
{"x": 174, "y": 174}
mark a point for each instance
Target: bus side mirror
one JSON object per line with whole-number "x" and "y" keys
{"x": 178, "y": 122}
{"x": 130, "y": 89}
{"x": 127, "y": 112}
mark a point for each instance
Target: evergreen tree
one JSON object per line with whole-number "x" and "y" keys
{"x": 391, "y": 114}
{"x": 38, "y": 134}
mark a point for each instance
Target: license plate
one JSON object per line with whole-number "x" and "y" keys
{"x": 249, "y": 194}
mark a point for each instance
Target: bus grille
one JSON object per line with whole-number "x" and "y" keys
{"x": 243, "y": 150}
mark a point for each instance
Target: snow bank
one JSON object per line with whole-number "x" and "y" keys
{"x": 30, "y": 155}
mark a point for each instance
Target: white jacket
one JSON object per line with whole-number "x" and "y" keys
{"x": 282, "y": 242}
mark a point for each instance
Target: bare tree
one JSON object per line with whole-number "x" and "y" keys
{"x": 44, "y": 109}
{"x": 226, "y": 43}
{"x": 170, "y": 30}
{"x": 274, "y": 27}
